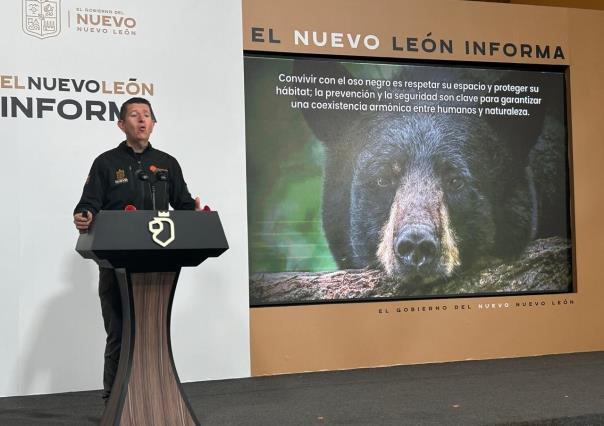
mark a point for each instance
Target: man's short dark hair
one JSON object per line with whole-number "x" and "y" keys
{"x": 124, "y": 107}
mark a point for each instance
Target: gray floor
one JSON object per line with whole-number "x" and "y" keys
{"x": 549, "y": 390}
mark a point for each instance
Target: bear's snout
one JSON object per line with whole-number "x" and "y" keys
{"x": 417, "y": 242}
{"x": 416, "y": 248}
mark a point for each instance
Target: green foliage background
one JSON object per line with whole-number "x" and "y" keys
{"x": 284, "y": 171}
{"x": 284, "y": 177}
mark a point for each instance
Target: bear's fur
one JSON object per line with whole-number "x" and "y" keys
{"x": 425, "y": 196}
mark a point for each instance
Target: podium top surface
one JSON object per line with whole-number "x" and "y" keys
{"x": 148, "y": 240}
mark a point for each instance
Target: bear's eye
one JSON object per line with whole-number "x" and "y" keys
{"x": 384, "y": 181}
{"x": 455, "y": 183}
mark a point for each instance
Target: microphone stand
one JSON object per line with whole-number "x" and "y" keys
{"x": 143, "y": 176}
{"x": 152, "y": 195}
{"x": 162, "y": 176}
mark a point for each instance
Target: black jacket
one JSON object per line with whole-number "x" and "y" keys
{"x": 114, "y": 181}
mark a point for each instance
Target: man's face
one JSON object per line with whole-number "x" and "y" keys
{"x": 138, "y": 124}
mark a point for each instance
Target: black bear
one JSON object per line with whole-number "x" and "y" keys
{"x": 425, "y": 196}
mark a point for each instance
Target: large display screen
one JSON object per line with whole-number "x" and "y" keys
{"x": 395, "y": 180}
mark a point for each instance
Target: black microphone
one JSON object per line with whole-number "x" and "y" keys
{"x": 142, "y": 175}
{"x": 161, "y": 175}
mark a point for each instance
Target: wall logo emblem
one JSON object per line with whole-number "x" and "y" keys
{"x": 156, "y": 227}
{"x": 42, "y": 18}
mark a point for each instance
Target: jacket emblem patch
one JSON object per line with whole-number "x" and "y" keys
{"x": 120, "y": 176}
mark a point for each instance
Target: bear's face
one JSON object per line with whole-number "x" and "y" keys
{"x": 425, "y": 196}
{"x": 421, "y": 195}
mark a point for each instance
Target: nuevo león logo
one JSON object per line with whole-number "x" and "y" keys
{"x": 42, "y": 18}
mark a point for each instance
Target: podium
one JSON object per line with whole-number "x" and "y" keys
{"x": 147, "y": 250}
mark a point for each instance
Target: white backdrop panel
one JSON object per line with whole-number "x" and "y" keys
{"x": 50, "y": 319}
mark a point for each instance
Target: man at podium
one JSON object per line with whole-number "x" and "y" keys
{"x": 132, "y": 176}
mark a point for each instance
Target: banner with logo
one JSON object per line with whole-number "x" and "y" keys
{"x": 401, "y": 180}
{"x": 394, "y": 162}
{"x": 67, "y": 66}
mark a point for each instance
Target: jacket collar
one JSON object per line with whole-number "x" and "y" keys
{"x": 124, "y": 146}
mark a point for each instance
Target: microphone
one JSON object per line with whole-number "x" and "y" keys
{"x": 142, "y": 175}
{"x": 161, "y": 175}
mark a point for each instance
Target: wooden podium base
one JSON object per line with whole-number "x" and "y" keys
{"x": 147, "y": 390}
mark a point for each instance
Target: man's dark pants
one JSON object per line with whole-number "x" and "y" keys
{"x": 111, "y": 307}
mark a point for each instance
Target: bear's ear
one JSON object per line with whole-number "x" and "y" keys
{"x": 327, "y": 124}
{"x": 520, "y": 133}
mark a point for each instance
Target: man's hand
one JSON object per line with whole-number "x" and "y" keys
{"x": 198, "y": 207}
{"x": 82, "y": 223}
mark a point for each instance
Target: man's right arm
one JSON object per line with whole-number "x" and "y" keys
{"x": 82, "y": 220}
{"x": 91, "y": 201}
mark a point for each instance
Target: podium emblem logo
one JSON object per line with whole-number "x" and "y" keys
{"x": 156, "y": 227}
{"x": 42, "y": 18}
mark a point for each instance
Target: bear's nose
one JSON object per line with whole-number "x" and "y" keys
{"x": 416, "y": 246}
